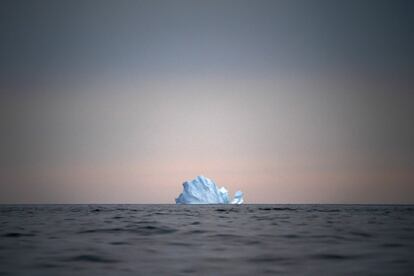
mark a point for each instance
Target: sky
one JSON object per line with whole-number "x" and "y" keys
{"x": 288, "y": 101}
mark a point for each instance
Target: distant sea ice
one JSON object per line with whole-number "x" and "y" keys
{"x": 202, "y": 190}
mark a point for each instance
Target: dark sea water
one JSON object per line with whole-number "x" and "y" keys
{"x": 206, "y": 239}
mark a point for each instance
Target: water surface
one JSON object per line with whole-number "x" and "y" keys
{"x": 206, "y": 239}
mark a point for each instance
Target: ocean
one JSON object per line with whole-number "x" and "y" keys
{"x": 206, "y": 239}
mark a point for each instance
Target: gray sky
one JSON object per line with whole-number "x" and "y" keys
{"x": 289, "y": 101}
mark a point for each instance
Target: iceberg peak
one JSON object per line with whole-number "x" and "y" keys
{"x": 203, "y": 190}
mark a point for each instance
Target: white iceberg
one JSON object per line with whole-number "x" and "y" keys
{"x": 238, "y": 198}
{"x": 202, "y": 190}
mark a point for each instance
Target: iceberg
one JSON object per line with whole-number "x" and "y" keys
{"x": 238, "y": 198}
{"x": 202, "y": 190}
